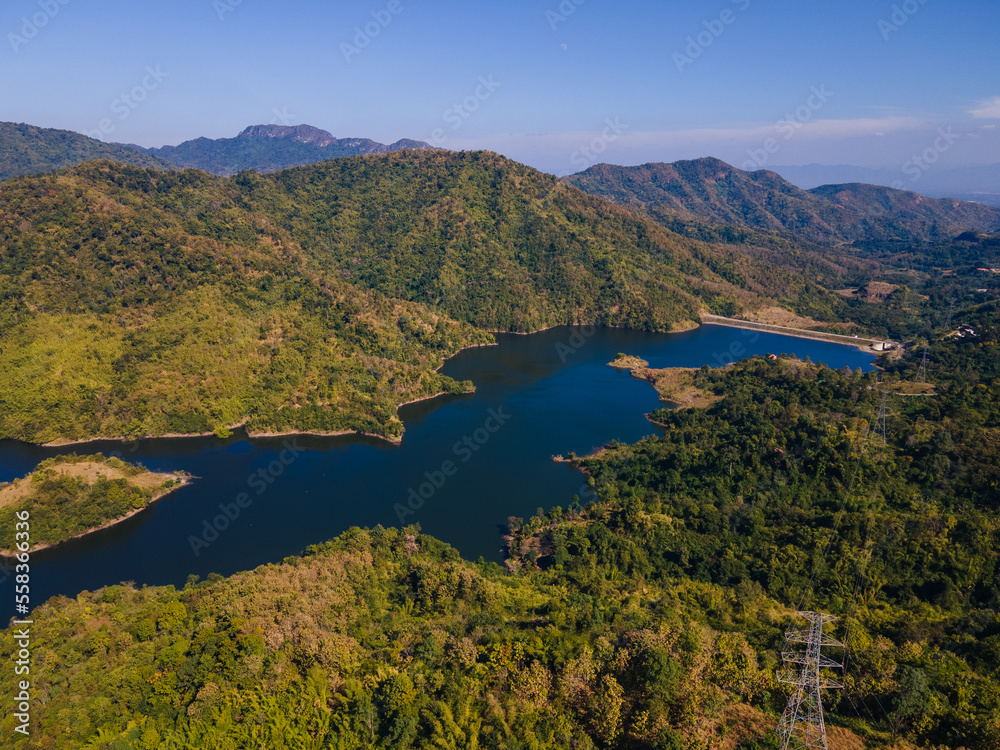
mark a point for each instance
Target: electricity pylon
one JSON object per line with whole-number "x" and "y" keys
{"x": 922, "y": 372}
{"x": 880, "y": 421}
{"x": 802, "y": 724}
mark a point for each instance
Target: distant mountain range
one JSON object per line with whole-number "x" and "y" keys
{"x": 979, "y": 183}
{"x": 704, "y": 189}
{"x": 26, "y": 149}
{"x": 270, "y": 148}
{"x": 712, "y": 190}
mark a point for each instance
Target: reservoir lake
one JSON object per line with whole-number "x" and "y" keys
{"x": 465, "y": 465}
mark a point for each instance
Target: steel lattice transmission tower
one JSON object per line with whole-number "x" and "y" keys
{"x": 922, "y": 371}
{"x": 802, "y": 724}
{"x": 880, "y": 420}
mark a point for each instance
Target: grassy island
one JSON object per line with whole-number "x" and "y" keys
{"x": 624, "y": 361}
{"x": 68, "y": 496}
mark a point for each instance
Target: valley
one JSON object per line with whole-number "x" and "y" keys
{"x": 366, "y": 366}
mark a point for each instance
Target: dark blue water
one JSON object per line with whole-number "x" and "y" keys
{"x": 466, "y": 463}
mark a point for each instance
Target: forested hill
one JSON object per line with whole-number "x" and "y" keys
{"x": 26, "y": 149}
{"x": 268, "y": 148}
{"x": 134, "y": 301}
{"x": 650, "y": 619}
{"x": 711, "y": 189}
{"x": 501, "y": 245}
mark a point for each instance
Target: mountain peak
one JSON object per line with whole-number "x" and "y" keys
{"x": 297, "y": 133}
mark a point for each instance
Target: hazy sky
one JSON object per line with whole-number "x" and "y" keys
{"x": 558, "y": 85}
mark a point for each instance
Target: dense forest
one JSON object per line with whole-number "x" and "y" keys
{"x": 650, "y": 615}
{"x": 503, "y": 246}
{"x": 26, "y": 150}
{"x": 132, "y": 303}
{"x": 136, "y": 302}
{"x": 715, "y": 191}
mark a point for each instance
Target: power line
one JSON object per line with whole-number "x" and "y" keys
{"x": 802, "y": 724}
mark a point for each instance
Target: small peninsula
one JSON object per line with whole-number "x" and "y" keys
{"x": 676, "y": 385}
{"x": 69, "y": 496}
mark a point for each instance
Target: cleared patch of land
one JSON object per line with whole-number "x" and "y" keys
{"x": 676, "y": 385}
{"x": 782, "y": 317}
{"x": 911, "y": 389}
{"x": 89, "y": 472}
{"x": 873, "y": 291}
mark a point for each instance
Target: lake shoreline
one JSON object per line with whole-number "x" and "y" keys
{"x": 716, "y": 321}
{"x": 182, "y": 480}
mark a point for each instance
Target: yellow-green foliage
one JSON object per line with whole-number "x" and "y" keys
{"x": 380, "y": 639}
{"x": 651, "y": 618}
{"x": 120, "y": 317}
{"x": 62, "y": 504}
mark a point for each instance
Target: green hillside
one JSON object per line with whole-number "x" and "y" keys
{"x": 68, "y": 496}
{"x": 502, "y": 245}
{"x": 651, "y": 618}
{"x": 713, "y": 190}
{"x": 26, "y": 149}
{"x": 134, "y": 302}
{"x": 315, "y": 299}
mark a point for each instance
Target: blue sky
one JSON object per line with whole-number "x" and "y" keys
{"x": 558, "y": 85}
